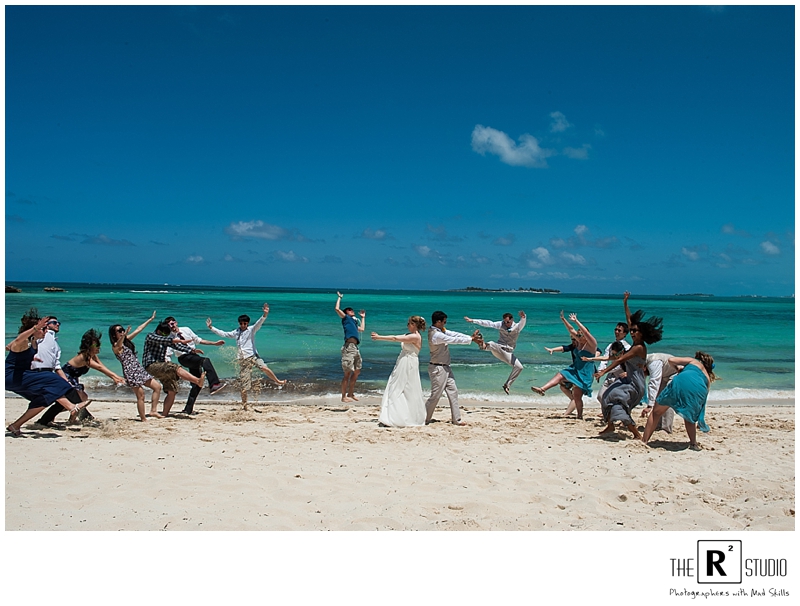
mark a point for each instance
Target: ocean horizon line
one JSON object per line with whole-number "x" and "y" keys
{"x": 158, "y": 287}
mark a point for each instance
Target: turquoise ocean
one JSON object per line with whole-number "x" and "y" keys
{"x": 751, "y": 338}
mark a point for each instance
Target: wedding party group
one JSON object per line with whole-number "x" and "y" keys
{"x": 666, "y": 384}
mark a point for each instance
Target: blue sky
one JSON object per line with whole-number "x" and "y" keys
{"x": 589, "y": 149}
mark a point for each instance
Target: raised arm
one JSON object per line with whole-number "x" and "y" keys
{"x": 363, "y": 324}
{"x": 485, "y": 323}
{"x": 228, "y": 335}
{"x": 20, "y": 343}
{"x": 591, "y": 341}
{"x": 571, "y": 330}
{"x": 627, "y": 310}
{"x": 338, "y": 311}
{"x": 141, "y": 327}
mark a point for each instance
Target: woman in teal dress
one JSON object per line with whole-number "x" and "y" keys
{"x": 686, "y": 395}
{"x": 580, "y": 372}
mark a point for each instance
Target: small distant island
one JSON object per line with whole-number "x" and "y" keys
{"x": 10, "y": 288}
{"x": 693, "y": 294}
{"x": 549, "y": 291}
{"x": 53, "y": 289}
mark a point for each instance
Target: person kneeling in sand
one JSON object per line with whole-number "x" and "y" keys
{"x": 248, "y": 356}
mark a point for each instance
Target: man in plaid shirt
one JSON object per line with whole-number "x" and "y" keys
{"x": 155, "y": 350}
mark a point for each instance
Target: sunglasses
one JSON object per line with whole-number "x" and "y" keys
{"x": 633, "y": 330}
{"x": 120, "y": 330}
{"x": 54, "y": 322}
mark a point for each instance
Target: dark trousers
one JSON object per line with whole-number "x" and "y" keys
{"x": 196, "y": 364}
{"x": 50, "y": 414}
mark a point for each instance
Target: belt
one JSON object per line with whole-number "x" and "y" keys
{"x": 43, "y": 369}
{"x": 435, "y": 364}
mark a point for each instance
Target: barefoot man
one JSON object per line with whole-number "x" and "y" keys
{"x": 351, "y": 357}
{"x": 248, "y": 356}
{"x": 503, "y": 348}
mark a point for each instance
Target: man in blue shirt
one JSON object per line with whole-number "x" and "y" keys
{"x": 351, "y": 357}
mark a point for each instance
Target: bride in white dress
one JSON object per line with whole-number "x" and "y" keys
{"x": 403, "y": 404}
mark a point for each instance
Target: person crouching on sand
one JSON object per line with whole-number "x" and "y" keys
{"x": 686, "y": 395}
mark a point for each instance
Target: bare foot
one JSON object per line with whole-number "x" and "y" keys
{"x": 695, "y": 447}
{"x": 608, "y": 429}
{"x": 15, "y": 432}
{"x": 355, "y": 399}
{"x": 281, "y": 383}
{"x": 346, "y": 399}
{"x": 201, "y": 379}
{"x": 538, "y": 390}
{"x": 459, "y": 423}
{"x": 155, "y": 415}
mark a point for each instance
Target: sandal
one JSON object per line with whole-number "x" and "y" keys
{"x": 15, "y": 433}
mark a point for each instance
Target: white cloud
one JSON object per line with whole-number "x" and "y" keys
{"x": 423, "y": 251}
{"x": 194, "y": 259}
{"x": 573, "y": 259}
{"x": 261, "y": 231}
{"x": 377, "y": 234}
{"x": 578, "y": 153}
{"x": 557, "y": 242}
{"x": 541, "y": 256}
{"x": 769, "y": 248}
{"x": 507, "y": 240}
{"x": 526, "y": 153}
{"x": 581, "y": 229}
{"x": 559, "y": 123}
{"x": 690, "y": 254}
{"x": 289, "y": 257}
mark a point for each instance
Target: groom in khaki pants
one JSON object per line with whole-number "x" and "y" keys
{"x": 442, "y": 379}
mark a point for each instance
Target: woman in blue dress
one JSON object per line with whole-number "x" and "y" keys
{"x": 624, "y": 394}
{"x": 579, "y": 373}
{"x": 686, "y": 395}
{"x": 41, "y": 389}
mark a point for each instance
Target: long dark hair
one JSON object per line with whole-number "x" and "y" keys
{"x": 112, "y": 336}
{"x": 651, "y": 329}
{"x": 29, "y": 320}
{"x": 91, "y": 338}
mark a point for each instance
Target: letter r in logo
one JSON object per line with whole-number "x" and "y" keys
{"x": 719, "y": 562}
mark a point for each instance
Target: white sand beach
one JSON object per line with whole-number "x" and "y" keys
{"x": 330, "y": 467}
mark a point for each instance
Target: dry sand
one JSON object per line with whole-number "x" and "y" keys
{"x": 330, "y": 467}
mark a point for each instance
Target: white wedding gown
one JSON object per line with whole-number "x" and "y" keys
{"x": 403, "y": 404}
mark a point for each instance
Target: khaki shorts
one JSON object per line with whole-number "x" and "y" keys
{"x": 245, "y": 366}
{"x": 167, "y": 373}
{"x": 351, "y": 357}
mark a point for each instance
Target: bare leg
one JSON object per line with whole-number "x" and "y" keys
{"x": 183, "y": 374}
{"x": 652, "y": 421}
{"x": 352, "y": 385}
{"x": 608, "y": 429}
{"x": 156, "y": 387}
{"x": 691, "y": 429}
{"x": 345, "y": 385}
{"x": 16, "y": 426}
{"x": 139, "y": 393}
{"x": 244, "y": 399}
{"x": 632, "y": 428}
{"x": 557, "y": 378}
{"x": 271, "y": 375}
{"x": 577, "y": 396}
{"x": 168, "y": 402}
